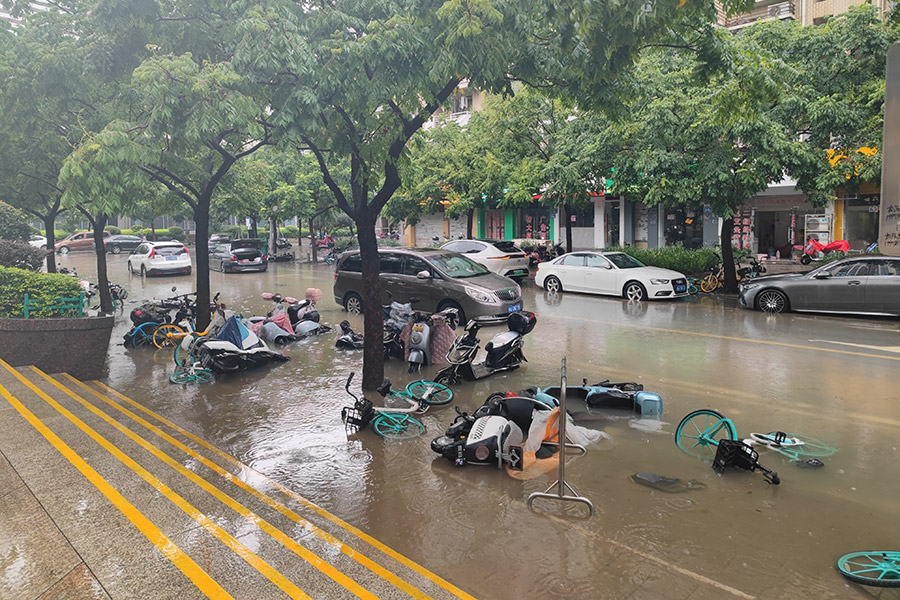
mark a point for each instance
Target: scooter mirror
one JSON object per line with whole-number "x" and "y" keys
{"x": 174, "y": 288}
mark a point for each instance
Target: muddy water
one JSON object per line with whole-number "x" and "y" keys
{"x": 729, "y": 536}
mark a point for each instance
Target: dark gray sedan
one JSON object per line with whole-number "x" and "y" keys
{"x": 867, "y": 285}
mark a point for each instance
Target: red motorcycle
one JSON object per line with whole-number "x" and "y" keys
{"x": 813, "y": 246}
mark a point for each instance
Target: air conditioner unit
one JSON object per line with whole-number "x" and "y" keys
{"x": 818, "y": 224}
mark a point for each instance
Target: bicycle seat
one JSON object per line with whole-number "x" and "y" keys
{"x": 385, "y": 387}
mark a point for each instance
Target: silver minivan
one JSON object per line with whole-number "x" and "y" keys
{"x": 438, "y": 278}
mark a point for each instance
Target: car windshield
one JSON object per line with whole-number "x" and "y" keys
{"x": 456, "y": 266}
{"x": 505, "y": 246}
{"x": 624, "y": 261}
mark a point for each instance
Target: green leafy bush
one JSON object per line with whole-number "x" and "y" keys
{"x": 677, "y": 258}
{"x": 21, "y": 256}
{"x": 113, "y": 230}
{"x": 177, "y": 233}
{"x": 290, "y": 231}
{"x": 47, "y": 288}
{"x": 13, "y": 224}
{"x": 235, "y": 231}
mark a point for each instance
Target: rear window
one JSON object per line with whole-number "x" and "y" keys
{"x": 506, "y": 246}
{"x": 170, "y": 250}
{"x": 248, "y": 243}
{"x": 352, "y": 264}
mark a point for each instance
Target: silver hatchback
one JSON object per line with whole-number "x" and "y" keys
{"x": 438, "y": 278}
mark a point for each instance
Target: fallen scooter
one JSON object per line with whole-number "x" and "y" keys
{"x": 624, "y": 395}
{"x": 504, "y": 351}
{"x": 235, "y": 348}
{"x": 281, "y": 326}
{"x": 349, "y": 339}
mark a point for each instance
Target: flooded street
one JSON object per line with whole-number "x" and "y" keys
{"x": 728, "y": 536}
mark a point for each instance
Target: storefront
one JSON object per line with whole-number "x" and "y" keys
{"x": 860, "y": 220}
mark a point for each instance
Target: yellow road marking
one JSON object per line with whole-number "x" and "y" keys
{"x": 727, "y": 337}
{"x": 437, "y": 580}
{"x": 200, "y": 578}
{"x": 240, "y": 549}
{"x": 308, "y": 556}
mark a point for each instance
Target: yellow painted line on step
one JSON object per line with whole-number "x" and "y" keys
{"x": 307, "y": 555}
{"x": 727, "y": 337}
{"x": 200, "y": 578}
{"x": 436, "y": 579}
{"x": 240, "y": 549}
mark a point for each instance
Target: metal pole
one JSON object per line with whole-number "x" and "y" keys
{"x": 560, "y": 484}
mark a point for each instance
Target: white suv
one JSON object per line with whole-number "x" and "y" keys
{"x": 160, "y": 258}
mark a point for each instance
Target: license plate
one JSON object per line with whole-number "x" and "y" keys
{"x": 246, "y": 260}
{"x": 514, "y": 308}
{"x": 171, "y": 258}
{"x": 418, "y": 327}
{"x": 680, "y": 288}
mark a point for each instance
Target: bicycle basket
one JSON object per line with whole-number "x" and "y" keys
{"x": 735, "y": 453}
{"x": 358, "y": 416}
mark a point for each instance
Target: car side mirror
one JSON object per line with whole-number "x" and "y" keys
{"x": 822, "y": 275}
{"x": 423, "y": 275}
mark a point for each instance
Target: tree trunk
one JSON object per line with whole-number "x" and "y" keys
{"x": 299, "y": 233}
{"x": 567, "y": 211}
{"x": 254, "y": 228}
{"x": 273, "y": 237}
{"x": 728, "y": 255}
{"x": 201, "y": 251}
{"x": 153, "y": 229}
{"x": 50, "y": 234}
{"x": 373, "y": 332}
{"x": 314, "y": 247}
{"x": 470, "y": 216}
{"x": 100, "y": 250}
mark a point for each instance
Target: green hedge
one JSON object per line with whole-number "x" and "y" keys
{"x": 21, "y": 256}
{"x": 677, "y": 258}
{"x": 113, "y": 230}
{"x": 290, "y": 231}
{"x": 15, "y": 283}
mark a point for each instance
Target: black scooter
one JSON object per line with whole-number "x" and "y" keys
{"x": 504, "y": 351}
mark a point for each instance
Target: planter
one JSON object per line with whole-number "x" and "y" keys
{"x": 74, "y": 346}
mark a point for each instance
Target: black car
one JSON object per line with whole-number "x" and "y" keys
{"x": 117, "y": 243}
{"x": 216, "y": 239}
{"x": 238, "y": 255}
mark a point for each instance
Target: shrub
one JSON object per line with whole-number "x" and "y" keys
{"x": 15, "y": 283}
{"x": 290, "y": 231}
{"x": 677, "y": 258}
{"x": 528, "y": 246}
{"x": 177, "y": 233}
{"x": 236, "y": 231}
{"x": 13, "y": 224}
{"x": 21, "y": 256}
{"x": 113, "y": 230}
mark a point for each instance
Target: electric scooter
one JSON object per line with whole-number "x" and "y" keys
{"x": 504, "y": 351}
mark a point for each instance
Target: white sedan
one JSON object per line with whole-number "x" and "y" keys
{"x": 612, "y": 273}
{"x": 501, "y": 257}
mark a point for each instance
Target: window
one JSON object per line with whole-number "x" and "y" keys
{"x": 850, "y": 269}
{"x": 597, "y": 261}
{"x": 352, "y": 264}
{"x": 885, "y": 268}
{"x": 413, "y": 266}
{"x": 454, "y": 246}
{"x": 170, "y": 250}
{"x": 624, "y": 261}
{"x": 572, "y": 260}
{"x": 391, "y": 264}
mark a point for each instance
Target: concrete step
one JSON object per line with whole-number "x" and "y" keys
{"x": 130, "y": 505}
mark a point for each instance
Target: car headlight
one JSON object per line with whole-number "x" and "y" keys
{"x": 747, "y": 286}
{"x": 480, "y": 295}
{"x": 659, "y": 281}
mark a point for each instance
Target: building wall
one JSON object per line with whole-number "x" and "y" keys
{"x": 435, "y": 225}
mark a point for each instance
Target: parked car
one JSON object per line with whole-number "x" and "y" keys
{"x": 612, "y": 273}
{"x": 239, "y": 255}
{"x": 38, "y": 241}
{"x": 216, "y": 239}
{"x": 499, "y": 256}
{"x": 160, "y": 258}
{"x": 438, "y": 278}
{"x": 854, "y": 285}
{"x": 83, "y": 240}
{"x": 117, "y": 243}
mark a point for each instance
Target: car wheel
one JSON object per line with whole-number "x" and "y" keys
{"x": 63, "y": 250}
{"x": 143, "y": 271}
{"x": 772, "y": 301}
{"x": 353, "y": 303}
{"x": 115, "y": 249}
{"x": 553, "y": 285}
{"x": 634, "y": 292}
{"x": 450, "y": 304}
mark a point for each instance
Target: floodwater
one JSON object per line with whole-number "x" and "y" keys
{"x": 727, "y": 536}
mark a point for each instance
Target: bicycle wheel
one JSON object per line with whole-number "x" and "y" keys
{"x": 430, "y": 392}
{"x": 143, "y": 334}
{"x": 397, "y": 426}
{"x": 181, "y": 377}
{"x": 709, "y": 283}
{"x": 798, "y": 445}
{"x": 699, "y": 433}
{"x": 881, "y": 569}
{"x": 167, "y": 335}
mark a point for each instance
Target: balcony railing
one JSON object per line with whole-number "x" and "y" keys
{"x": 763, "y": 11}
